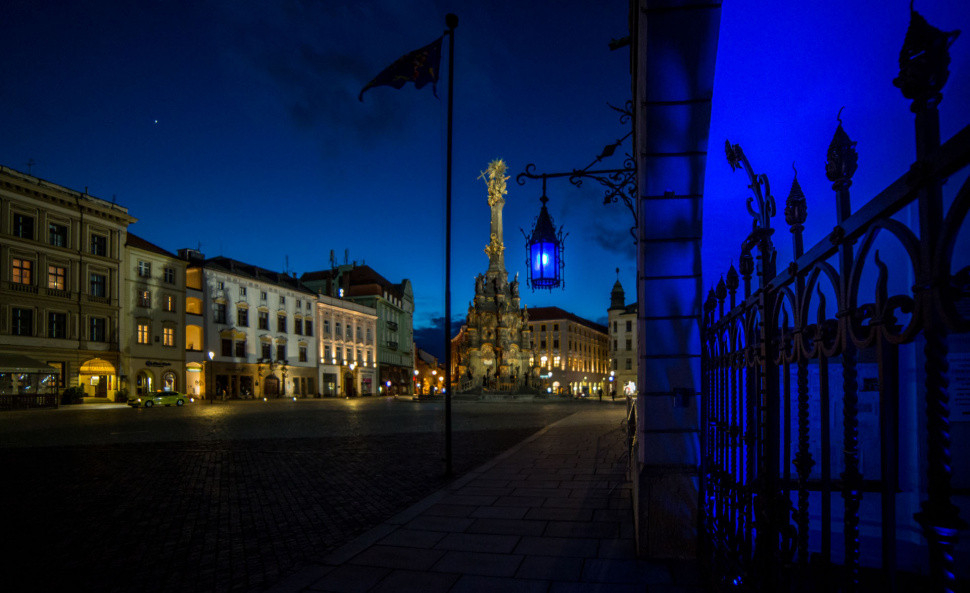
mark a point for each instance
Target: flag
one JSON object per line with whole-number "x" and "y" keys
{"x": 419, "y": 67}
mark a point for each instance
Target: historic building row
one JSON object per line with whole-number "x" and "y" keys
{"x": 86, "y": 304}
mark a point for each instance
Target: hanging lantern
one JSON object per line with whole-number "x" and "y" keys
{"x": 544, "y": 248}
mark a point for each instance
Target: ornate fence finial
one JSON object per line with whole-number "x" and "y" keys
{"x": 842, "y": 158}
{"x": 796, "y": 208}
{"x": 924, "y": 61}
{"x": 732, "y": 283}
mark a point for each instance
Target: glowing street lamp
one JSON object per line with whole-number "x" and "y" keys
{"x": 544, "y": 247}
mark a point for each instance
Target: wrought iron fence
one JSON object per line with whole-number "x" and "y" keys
{"x": 821, "y": 467}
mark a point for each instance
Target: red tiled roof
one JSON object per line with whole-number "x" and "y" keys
{"x": 556, "y": 314}
{"x": 137, "y": 242}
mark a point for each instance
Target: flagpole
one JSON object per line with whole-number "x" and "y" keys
{"x": 451, "y": 21}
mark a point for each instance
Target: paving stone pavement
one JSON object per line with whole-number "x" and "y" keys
{"x": 221, "y": 516}
{"x": 551, "y": 515}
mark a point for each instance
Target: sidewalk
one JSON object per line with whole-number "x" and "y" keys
{"x": 552, "y": 514}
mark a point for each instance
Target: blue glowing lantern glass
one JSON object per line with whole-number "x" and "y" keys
{"x": 544, "y": 247}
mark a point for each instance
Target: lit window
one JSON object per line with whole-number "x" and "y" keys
{"x": 22, "y": 271}
{"x": 144, "y": 298}
{"x": 56, "y": 277}
{"x": 168, "y": 336}
{"x": 170, "y": 303}
{"x": 142, "y": 333}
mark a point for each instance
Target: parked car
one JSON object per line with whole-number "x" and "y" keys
{"x": 159, "y": 398}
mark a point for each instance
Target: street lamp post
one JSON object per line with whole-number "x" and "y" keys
{"x": 207, "y": 371}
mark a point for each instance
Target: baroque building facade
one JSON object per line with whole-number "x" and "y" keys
{"x": 153, "y": 324}
{"x": 394, "y": 304}
{"x": 259, "y": 326}
{"x": 347, "y": 346}
{"x": 571, "y": 353}
{"x": 494, "y": 348}
{"x": 61, "y": 298}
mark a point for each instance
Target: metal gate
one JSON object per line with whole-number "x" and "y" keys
{"x": 827, "y": 449}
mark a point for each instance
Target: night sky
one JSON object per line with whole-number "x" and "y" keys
{"x": 235, "y": 126}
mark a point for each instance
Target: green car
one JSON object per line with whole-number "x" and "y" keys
{"x": 159, "y": 398}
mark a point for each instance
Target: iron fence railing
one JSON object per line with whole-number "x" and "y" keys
{"x": 821, "y": 467}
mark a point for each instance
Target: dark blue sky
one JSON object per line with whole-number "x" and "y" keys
{"x": 236, "y": 125}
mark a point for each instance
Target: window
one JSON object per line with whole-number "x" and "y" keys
{"x": 242, "y": 291}
{"x": 281, "y": 352}
{"x": 99, "y": 245}
{"x": 23, "y": 226}
{"x": 169, "y": 275}
{"x": 350, "y": 333}
{"x": 368, "y": 335}
{"x": 542, "y": 327}
{"x": 170, "y": 303}
{"x": 358, "y": 333}
{"x": 308, "y": 307}
{"x": 168, "y": 336}
{"x": 282, "y": 300}
{"x": 262, "y": 295}
{"x": 302, "y": 353}
{"x": 299, "y": 303}
{"x": 242, "y": 317}
{"x": 629, "y": 344}
{"x": 99, "y": 285}
{"x": 614, "y": 364}
{"x": 220, "y": 316}
{"x": 614, "y": 326}
{"x": 267, "y": 350}
{"x": 144, "y": 298}
{"x": 326, "y": 354}
{"x": 281, "y": 323}
{"x": 555, "y": 344}
{"x": 22, "y": 322}
{"x": 542, "y": 344}
{"x": 326, "y": 327}
{"x": 615, "y": 345}
{"x": 226, "y": 347}
{"x": 57, "y": 325}
{"x": 99, "y": 329}
{"x": 307, "y": 327}
{"x": 629, "y": 325}
{"x": 555, "y": 327}
{"x": 22, "y": 269}
{"x": 57, "y": 235}
{"x": 264, "y": 321}
{"x": 240, "y": 348}
{"x": 298, "y": 326}
{"x": 629, "y": 364}
{"x": 221, "y": 285}
{"x": 145, "y": 269}
{"x": 56, "y": 277}
{"x": 336, "y": 327}
{"x": 143, "y": 333}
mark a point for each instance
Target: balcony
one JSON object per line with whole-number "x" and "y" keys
{"x": 98, "y": 299}
{"x": 392, "y": 325}
{"x": 391, "y": 345}
{"x": 18, "y": 287}
{"x": 54, "y": 292}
